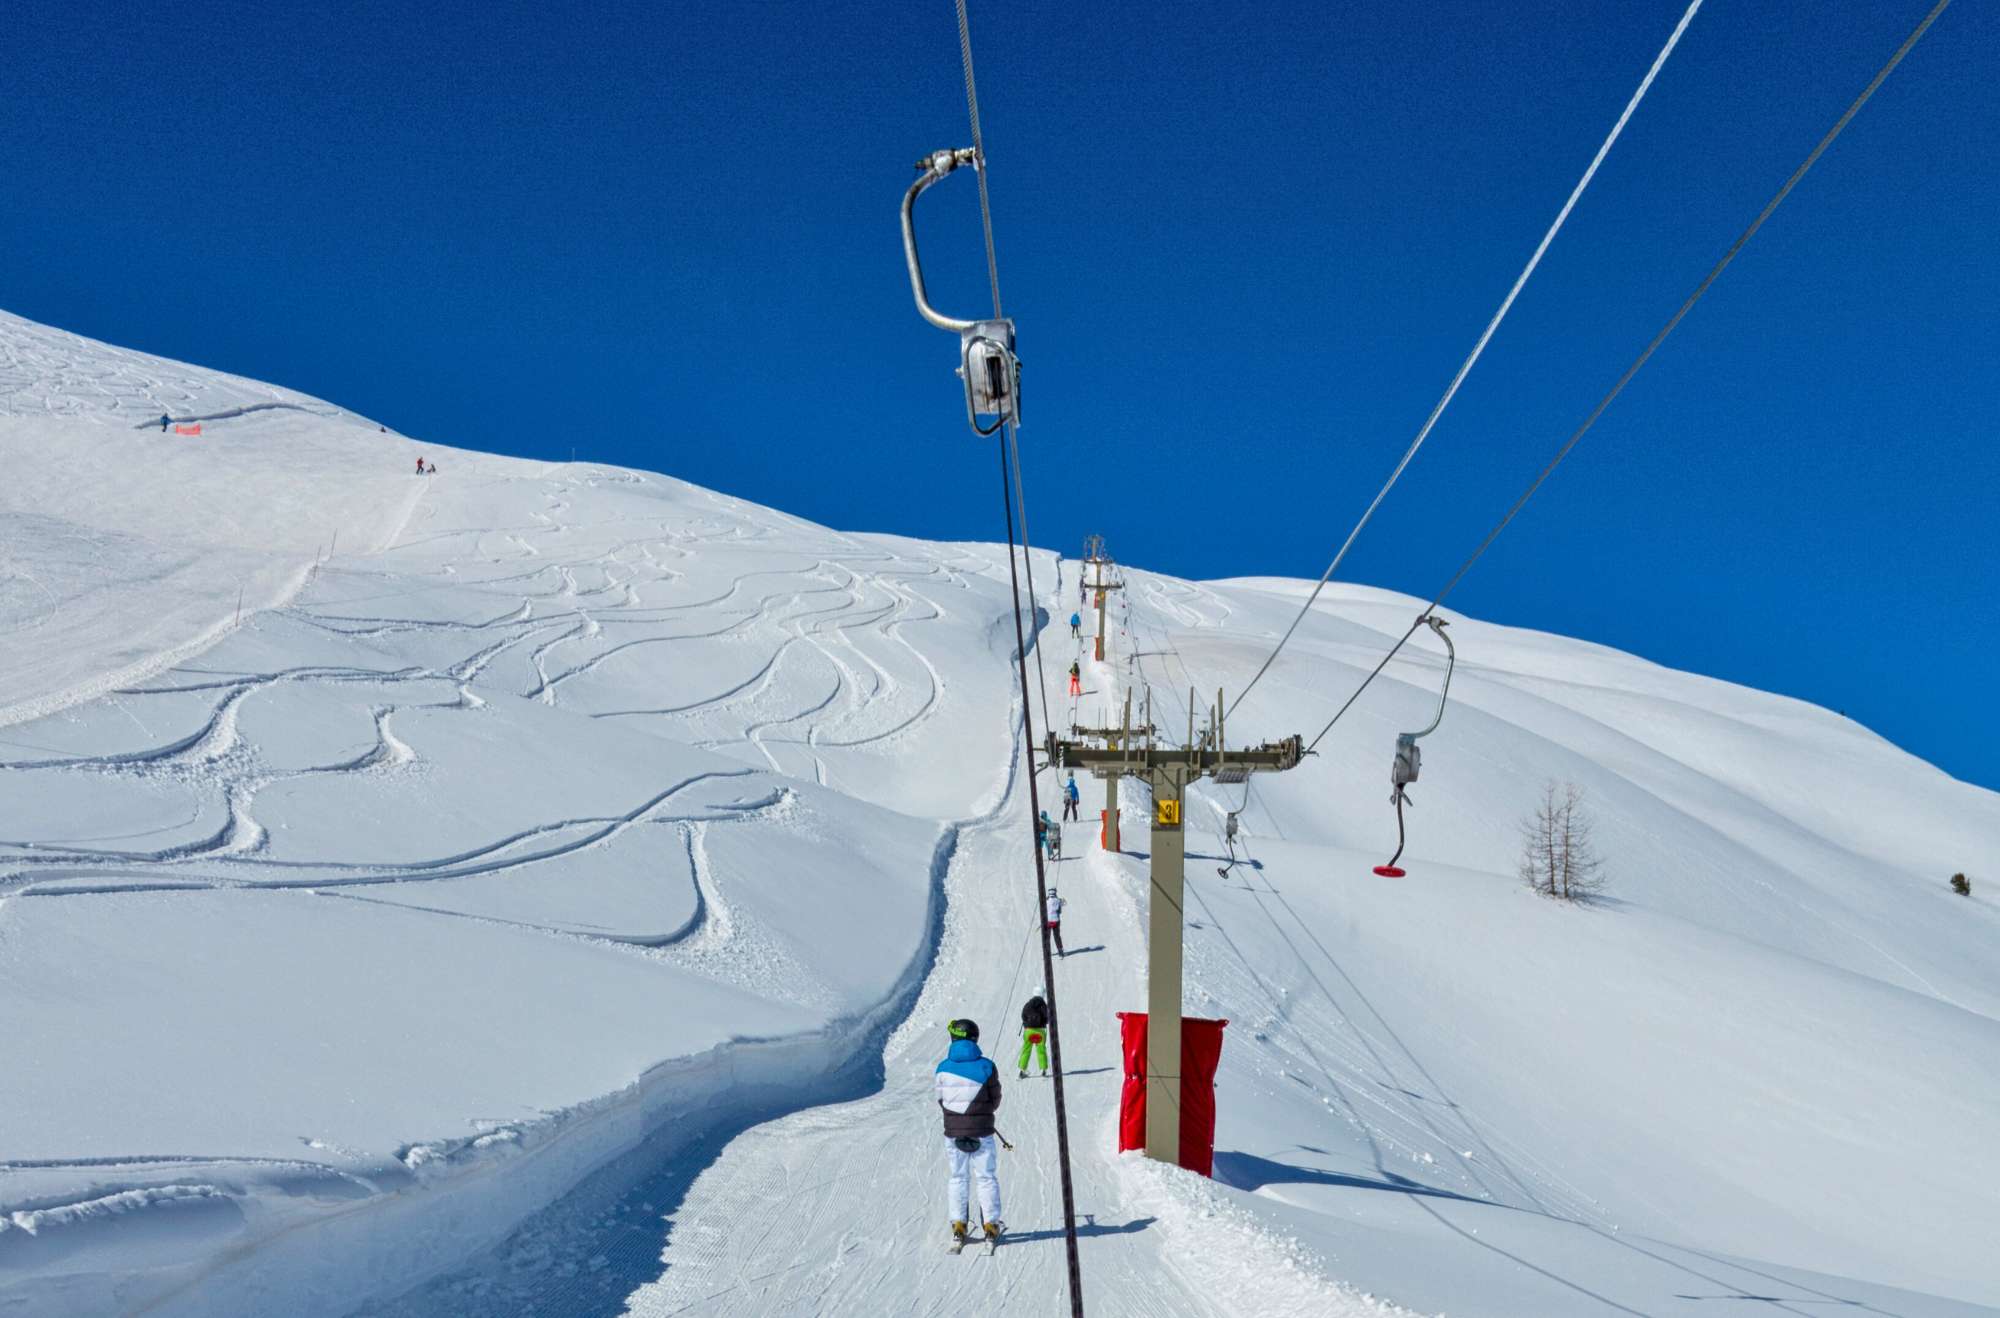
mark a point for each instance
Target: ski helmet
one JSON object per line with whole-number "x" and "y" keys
{"x": 964, "y": 1029}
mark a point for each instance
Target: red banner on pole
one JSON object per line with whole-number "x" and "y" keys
{"x": 1201, "y": 1053}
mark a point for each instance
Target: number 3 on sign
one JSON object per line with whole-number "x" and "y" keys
{"x": 1167, "y": 813}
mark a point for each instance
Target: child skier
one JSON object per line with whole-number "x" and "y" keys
{"x": 1034, "y": 1033}
{"x": 1071, "y": 798}
{"x": 1049, "y": 834}
{"x": 1075, "y": 680}
{"x": 968, "y": 1093}
{"x": 1054, "y": 917}
{"x": 1076, "y": 626}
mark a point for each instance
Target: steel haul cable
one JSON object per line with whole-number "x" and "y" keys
{"x": 1465, "y": 367}
{"x": 1042, "y": 899}
{"x": 1010, "y": 482}
{"x": 1672, "y": 323}
{"x": 993, "y": 282}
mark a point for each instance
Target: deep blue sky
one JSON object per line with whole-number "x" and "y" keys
{"x": 1247, "y": 246}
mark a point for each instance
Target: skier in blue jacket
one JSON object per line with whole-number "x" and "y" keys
{"x": 968, "y": 1093}
{"x": 1071, "y": 798}
{"x": 1076, "y": 626}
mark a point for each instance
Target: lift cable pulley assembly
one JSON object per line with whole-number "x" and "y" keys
{"x": 1409, "y": 759}
{"x": 986, "y": 359}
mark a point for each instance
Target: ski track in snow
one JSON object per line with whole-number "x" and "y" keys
{"x": 229, "y": 773}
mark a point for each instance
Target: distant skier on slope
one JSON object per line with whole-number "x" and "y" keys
{"x": 968, "y": 1093}
{"x": 1049, "y": 834}
{"x": 1071, "y": 799}
{"x": 1034, "y": 1032}
{"x": 1053, "y": 912}
{"x": 1075, "y": 680}
{"x": 1076, "y": 626}
{"x": 165, "y": 421}
{"x": 420, "y": 466}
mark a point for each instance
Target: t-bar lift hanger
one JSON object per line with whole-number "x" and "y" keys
{"x": 986, "y": 359}
{"x": 1408, "y": 759}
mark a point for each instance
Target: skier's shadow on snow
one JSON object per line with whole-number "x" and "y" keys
{"x": 1090, "y": 1226}
{"x": 1079, "y": 951}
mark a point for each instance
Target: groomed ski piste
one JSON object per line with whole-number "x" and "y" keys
{"x": 541, "y": 888}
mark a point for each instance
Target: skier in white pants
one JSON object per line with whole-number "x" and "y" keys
{"x": 968, "y": 1092}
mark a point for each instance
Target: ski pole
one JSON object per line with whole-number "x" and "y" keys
{"x": 1003, "y": 1140}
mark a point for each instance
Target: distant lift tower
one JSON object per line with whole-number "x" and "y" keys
{"x": 1169, "y": 770}
{"x": 1097, "y": 577}
{"x": 1112, "y": 738}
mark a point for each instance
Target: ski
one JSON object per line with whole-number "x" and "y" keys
{"x": 956, "y": 1246}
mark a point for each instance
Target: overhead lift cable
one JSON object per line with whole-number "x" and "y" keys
{"x": 1672, "y": 323}
{"x": 1465, "y": 367}
{"x": 1013, "y": 440}
{"x": 991, "y": 374}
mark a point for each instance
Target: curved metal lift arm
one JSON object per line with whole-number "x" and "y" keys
{"x": 1438, "y": 625}
{"x": 932, "y": 168}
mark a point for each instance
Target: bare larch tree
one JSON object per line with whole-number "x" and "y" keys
{"x": 1558, "y": 856}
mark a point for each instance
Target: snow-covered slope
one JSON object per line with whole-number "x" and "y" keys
{"x": 127, "y": 547}
{"x": 454, "y": 934}
{"x": 492, "y": 837}
{"x": 1772, "y": 1046}
{"x": 47, "y": 372}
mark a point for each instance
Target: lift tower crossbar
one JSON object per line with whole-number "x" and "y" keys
{"x": 1114, "y": 738}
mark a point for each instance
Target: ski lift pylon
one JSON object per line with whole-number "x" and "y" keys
{"x": 1409, "y": 760}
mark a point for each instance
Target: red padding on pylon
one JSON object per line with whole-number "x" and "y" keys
{"x": 1201, "y": 1053}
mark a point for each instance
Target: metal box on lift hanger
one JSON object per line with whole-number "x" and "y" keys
{"x": 990, "y": 370}
{"x": 1409, "y": 759}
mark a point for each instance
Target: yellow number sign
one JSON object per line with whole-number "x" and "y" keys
{"x": 1167, "y": 813}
